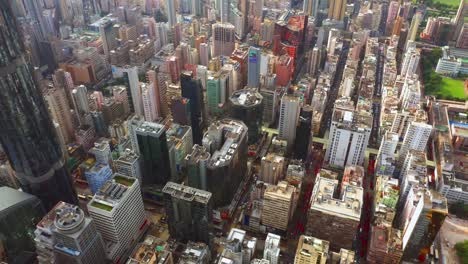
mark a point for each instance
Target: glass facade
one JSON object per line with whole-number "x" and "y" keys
{"x": 26, "y": 130}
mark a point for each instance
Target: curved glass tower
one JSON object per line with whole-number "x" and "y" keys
{"x": 26, "y": 131}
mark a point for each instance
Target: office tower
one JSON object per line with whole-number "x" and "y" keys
{"x": 315, "y": 58}
{"x": 171, "y": 13}
{"x": 152, "y": 143}
{"x": 253, "y": 77}
{"x": 80, "y": 99}
{"x": 192, "y": 90}
{"x": 289, "y": 114}
{"x": 429, "y": 210}
{"x": 153, "y": 78}
{"x": 108, "y": 32}
{"x": 179, "y": 143}
{"x": 223, "y": 39}
{"x": 416, "y": 138}
{"x": 284, "y": 68}
{"x": 247, "y": 105}
{"x": 19, "y": 213}
{"x": 344, "y": 212}
{"x": 195, "y": 252}
{"x": 120, "y": 95}
{"x": 180, "y": 110}
{"x": 310, "y": 7}
{"x": 97, "y": 175}
{"x": 311, "y": 250}
{"x": 149, "y": 103}
{"x": 336, "y": 9}
{"x": 228, "y": 159}
{"x": 204, "y": 54}
{"x": 272, "y": 168}
{"x": 272, "y": 248}
{"x": 348, "y": 138}
{"x": 410, "y": 62}
{"x": 118, "y": 213}
{"x": 462, "y": 13}
{"x": 75, "y": 235}
{"x": 304, "y": 133}
{"x": 189, "y": 212}
{"x": 279, "y": 203}
{"x": 60, "y": 112}
{"x": 197, "y": 162}
{"x": 214, "y": 95}
{"x": 101, "y": 151}
{"x": 29, "y": 142}
{"x": 271, "y": 99}
{"x": 413, "y": 29}
{"x": 135, "y": 91}
{"x": 128, "y": 164}
{"x": 386, "y": 157}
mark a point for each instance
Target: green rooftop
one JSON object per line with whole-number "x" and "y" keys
{"x": 124, "y": 180}
{"x": 101, "y": 206}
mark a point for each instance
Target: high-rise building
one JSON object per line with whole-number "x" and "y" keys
{"x": 192, "y": 90}
{"x": 311, "y": 250}
{"x": 179, "y": 143}
{"x": 228, "y": 159}
{"x": 304, "y": 133}
{"x": 75, "y": 236}
{"x": 80, "y": 99}
{"x": 310, "y": 7}
{"x": 336, "y": 9}
{"x": 462, "y": 13}
{"x": 428, "y": 211}
{"x": 149, "y": 102}
{"x": 29, "y": 142}
{"x": 128, "y": 164}
{"x": 247, "y": 106}
{"x": 349, "y": 135}
{"x": 101, "y": 151}
{"x": 223, "y": 39}
{"x": 60, "y": 112}
{"x": 197, "y": 162}
{"x": 109, "y": 32}
{"x": 272, "y": 248}
{"x": 19, "y": 213}
{"x": 171, "y": 13}
{"x": 135, "y": 92}
{"x": 386, "y": 157}
{"x": 152, "y": 143}
{"x": 410, "y": 62}
{"x": 279, "y": 203}
{"x": 289, "y": 114}
{"x": 119, "y": 215}
{"x": 189, "y": 212}
{"x": 271, "y": 100}
{"x": 215, "y": 95}
{"x": 414, "y": 26}
{"x": 97, "y": 175}
{"x": 416, "y": 138}
{"x": 253, "y": 77}
{"x": 343, "y": 212}
{"x": 272, "y": 168}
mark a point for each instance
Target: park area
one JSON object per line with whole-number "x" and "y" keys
{"x": 454, "y": 3}
{"x": 451, "y": 89}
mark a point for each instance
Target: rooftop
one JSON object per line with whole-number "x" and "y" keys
{"x": 349, "y": 206}
{"x": 150, "y": 128}
{"x": 186, "y": 193}
{"x": 112, "y": 192}
{"x": 246, "y": 97}
{"x": 11, "y": 199}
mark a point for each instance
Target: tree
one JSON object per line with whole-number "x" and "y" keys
{"x": 462, "y": 251}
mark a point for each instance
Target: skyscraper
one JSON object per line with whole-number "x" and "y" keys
{"x": 303, "y": 133}
{"x": 192, "y": 90}
{"x": 460, "y": 18}
{"x": 336, "y": 9}
{"x": 189, "y": 212}
{"x": 171, "y": 13}
{"x": 118, "y": 212}
{"x": 27, "y": 135}
{"x": 247, "y": 106}
{"x": 152, "y": 142}
{"x": 310, "y": 7}
{"x": 413, "y": 29}
{"x": 289, "y": 115}
{"x": 416, "y": 138}
{"x": 76, "y": 237}
{"x": 253, "y": 77}
{"x": 223, "y": 39}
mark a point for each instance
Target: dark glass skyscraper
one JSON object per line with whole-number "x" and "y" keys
{"x": 26, "y": 130}
{"x": 303, "y": 133}
{"x": 192, "y": 90}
